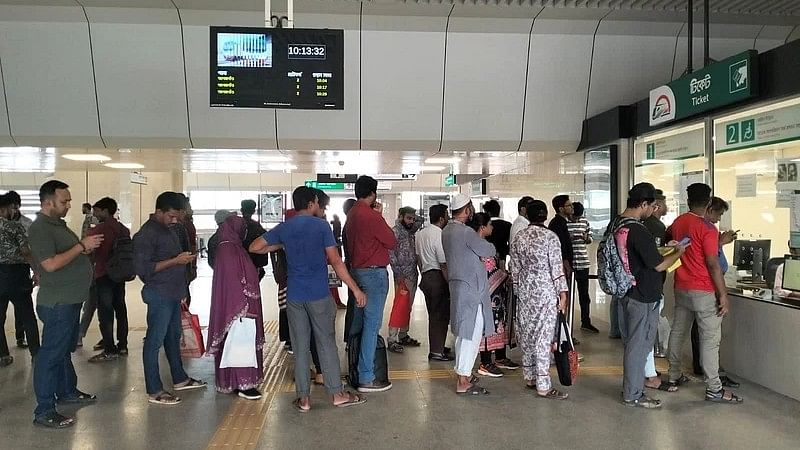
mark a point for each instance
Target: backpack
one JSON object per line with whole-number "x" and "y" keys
{"x": 611, "y": 274}
{"x": 120, "y": 266}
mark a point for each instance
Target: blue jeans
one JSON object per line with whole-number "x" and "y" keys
{"x": 163, "y": 328}
{"x": 613, "y": 318}
{"x": 53, "y": 374}
{"x": 375, "y": 284}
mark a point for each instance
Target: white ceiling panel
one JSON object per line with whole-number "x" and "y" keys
{"x": 50, "y": 106}
{"x": 140, "y": 77}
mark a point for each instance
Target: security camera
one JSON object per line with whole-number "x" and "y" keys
{"x": 341, "y": 163}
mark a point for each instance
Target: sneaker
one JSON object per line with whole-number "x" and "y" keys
{"x": 590, "y": 328}
{"x": 249, "y": 394}
{"x": 440, "y": 357}
{"x": 728, "y": 382}
{"x": 490, "y": 370}
{"x": 375, "y": 386}
{"x": 506, "y": 364}
{"x": 643, "y": 402}
{"x": 288, "y": 348}
{"x": 408, "y": 341}
{"x": 103, "y": 357}
{"x": 21, "y": 343}
{"x": 394, "y": 347}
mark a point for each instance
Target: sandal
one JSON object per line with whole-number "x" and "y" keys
{"x": 299, "y": 406}
{"x": 164, "y": 398}
{"x": 680, "y": 381}
{"x": 82, "y": 397}
{"x": 554, "y": 394}
{"x": 395, "y": 347}
{"x": 191, "y": 383}
{"x": 664, "y": 386}
{"x": 719, "y": 397}
{"x": 409, "y": 342}
{"x": 474, "y": 390}
{"x": 353, "y": 399}
{"x": 54, "y": 420}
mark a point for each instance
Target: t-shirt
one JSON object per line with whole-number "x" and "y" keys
{"x": 640, "y": 256}
{"x": 580, "y": 236}
{"x": 558, "y": 225}
{"x": 305, "y": 239}
{"x": 657, "y": 229}
{"x": 429, "y": 248}
{"x": 693, "y": 274}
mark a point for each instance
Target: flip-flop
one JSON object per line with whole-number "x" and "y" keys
{"x": 299, "y": 407}
{"x": 474, "y": 390}
{"x": 664, "y": 386}
{"x": 354, "y": 399}
{"x": 680, "y": 381}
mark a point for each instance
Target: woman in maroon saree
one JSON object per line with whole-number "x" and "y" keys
{"x": 235, "y": 294}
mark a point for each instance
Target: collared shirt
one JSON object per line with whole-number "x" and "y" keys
{"x": 48, "y": 237}
{"x": 369, "y": 237}
{"x": 404, "y": 255}
{"x": 154, "y": 243}
{"x": 25, "y": 221}
{"x": 111, "y": 229}
{"x": 429, "y": 248}
{"x": 520, "y": 224}
{"x": 13, "y": 241}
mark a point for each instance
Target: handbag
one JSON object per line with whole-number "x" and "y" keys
{"x": 239, "y": 349}
{"x": 565, "y": 355}
{"x": 192, "y": 336}
{"x": 401, "y": 308}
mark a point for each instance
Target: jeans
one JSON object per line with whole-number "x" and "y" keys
{"x": 582, "y": 280}
{"x": 638, "y": 326}
{"x": 702, "y": 307}
{"x": 375, "y": 284}
{"x": 650, "y": 366}
{"x": 467, "y": 349}
{"x": 16, "y": 288}
{"x": 163, "y": 329}
{"x": 613, "y": 318}
{"x": 396, "y": 334}
{"x": 317, "y": 317}
{"x": 53, "y": 374}
{"x": 110, "y": 298}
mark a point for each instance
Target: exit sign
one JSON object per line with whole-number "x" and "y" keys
{"x": 327, "y": 186}
{"x": 450, "y": 181}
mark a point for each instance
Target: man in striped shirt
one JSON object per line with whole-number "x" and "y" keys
{"x": 580, "y": 233}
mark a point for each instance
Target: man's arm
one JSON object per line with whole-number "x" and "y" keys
{"x": 341, "y": 271}
{"x": 383, "y": 232}
{"x": 480, "y": 246}
{"x": 715, "y": 270}
{"x": 261, "y": 247}
{"x": 59, "y": 261}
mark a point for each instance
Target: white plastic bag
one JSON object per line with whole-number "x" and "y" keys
{"x": 240, "y": 345}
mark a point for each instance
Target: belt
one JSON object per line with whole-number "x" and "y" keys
{"x": 374, "y": 267}
{"x": 431, "y": 270}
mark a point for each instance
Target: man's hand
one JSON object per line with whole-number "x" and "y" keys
{"x": 361, "y": 298}
{"x": 378, "y": 206}
{"x": 724, "y": 305}
{"x": 185, "y": 258}
{"x": 727, "y": 237}
{"x": 92, "y": 242}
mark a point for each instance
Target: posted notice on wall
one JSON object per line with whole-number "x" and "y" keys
{"x": 786, "y": 178}
{"x": 687, "y": 179}
{"x": 747, "y": 185}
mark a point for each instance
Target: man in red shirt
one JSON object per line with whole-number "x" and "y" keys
{"x": 369, "y": 240}
{"x": 700, "y": 294}
{"x": 110, "y": 295}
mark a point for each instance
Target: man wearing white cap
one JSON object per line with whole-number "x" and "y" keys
{"x": 470, "y": 307}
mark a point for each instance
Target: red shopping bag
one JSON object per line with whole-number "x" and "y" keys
{"x": 401, "y": 309}
{"x": 192, "y": 337}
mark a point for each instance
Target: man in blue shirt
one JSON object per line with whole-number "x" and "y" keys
{"x": 310, "y": 247}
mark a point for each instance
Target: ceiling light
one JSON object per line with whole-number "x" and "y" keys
{"x": 270, "y": 158}
{"x": 278, "y": 167}
{"x": 124, "y": 165}
{"x": 86, "y": 157}
{"x": 434, "y": 160}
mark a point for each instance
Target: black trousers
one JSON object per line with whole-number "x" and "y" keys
{"x": 437, "y": 301}
{"x": 696, "y": 365}
{"x": 16, "y": 288}
{"x": 110, "y": 297}
{"x": 582, "y": 280}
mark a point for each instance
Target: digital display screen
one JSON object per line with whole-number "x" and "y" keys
{"x": 292, "y": 68}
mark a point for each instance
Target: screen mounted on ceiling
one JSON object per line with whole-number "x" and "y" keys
{"x": 290, "y": 68}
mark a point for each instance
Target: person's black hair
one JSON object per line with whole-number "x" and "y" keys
{"x": 248, "y": 207}
{"x": 365, "y": 186}
{"x": 48, "y": 190}
{"x": 492, "y": 207}
{"x": 348, "y": 205}
{"x": 634, "y": 203}
{"x": 523, "y": 202}
{"x": 718, "y": 204}
{"x": 302, "y": 196}
{"x": 699, "y": 194}
{"x": 87, "y": 205}
{"x": 107, "y": 203}
{"x": 15, "y": 198}
{"x": 6, "y": 201}
{"x": 536, "y": 211}
{"x": 323, "y": 198}
{"x": 437, "y": 213}
{"x": 479, "y": 220}
{"x": 577, "y": 209}
{"x": 559, "y": 201}
{"x": 170, "y": 201}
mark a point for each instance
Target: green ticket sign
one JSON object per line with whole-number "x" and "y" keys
{"x": 326, "y": 186}
{"x": 774, "y": 126}
{"x": 723, "y": 83}
{"x": 450, "y": 181}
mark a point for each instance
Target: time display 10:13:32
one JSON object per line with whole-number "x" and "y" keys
{"x": 306, "y": 51}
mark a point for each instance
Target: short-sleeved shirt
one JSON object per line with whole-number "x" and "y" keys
{"x": 48, "y": 237}
{"x": 13, "y": 241}
{"x": 429, "y": 248}
{"x": 305, "y": 239}
{"x": 579, "y": 234}
{"x": 154, "y": 243}
{"x": 111, "y": 229}
{"x": 657, "y": 229}
{"x": 693, "y": 274}
{"x": 641, "y": 257}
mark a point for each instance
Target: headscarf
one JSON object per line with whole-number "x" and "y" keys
{"x": 235, "y": 289}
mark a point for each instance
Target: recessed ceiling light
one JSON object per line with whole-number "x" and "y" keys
{"x": 454, "y": 160}
{"x": 124, "y": 165}
{"x": 86, "y": 157}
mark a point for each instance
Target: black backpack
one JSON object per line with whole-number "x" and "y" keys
{"x": 120, "y": 266}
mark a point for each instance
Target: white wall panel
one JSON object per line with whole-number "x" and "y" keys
{"x": 312, "y": 129}
{"x": 402, "y": 85}
{"x": 48, "y": 77}
{"x": 140, "y": 82}
{"x": 5, "y": 133}
{"x": 220, "y": 127}
{"x": 485, "y": 79}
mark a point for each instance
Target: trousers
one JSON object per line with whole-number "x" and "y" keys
{"x": 702, "y": 307}
{"x": 317, "y": 317}
{"x": 467, "y": 349}
{"x": 638, "y": 325}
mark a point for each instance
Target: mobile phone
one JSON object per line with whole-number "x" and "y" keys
{"x": 685, "y": 241}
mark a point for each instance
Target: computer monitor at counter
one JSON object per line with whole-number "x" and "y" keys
{"x": 751, "y": 255}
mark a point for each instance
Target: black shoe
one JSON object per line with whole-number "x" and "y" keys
{"x": 447, "y": 350}
{"x": 375, "y": 386}
{"x": 590, "y": 328}
{"x": 490, "y": 370}
{"x": 21, "y": 343}
{"x": 394, "y": 347}
{"x": 98, "y": 346}
{"x": 6, "y": 361}
{"x": 440, "y": 357}
{"x": 54, "y": 420}
{"x": 80, "y": 397}
{"x": 249, "y": 394}
{"x": 123, "y": 351}
{"x": 727, "y": 382}
{"x": 104, "y": 357}
{"x": 610, "y": 336}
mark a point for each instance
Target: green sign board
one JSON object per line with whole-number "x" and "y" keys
{"x": 325, "y": 186}
{"x": 773, "y": 126}
{"x": 723, "y": 83}
{"x": 450, "y": 180}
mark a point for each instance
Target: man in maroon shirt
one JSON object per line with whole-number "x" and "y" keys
{"x": 110, "y": 295}
{"x": 369, "y": 240}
